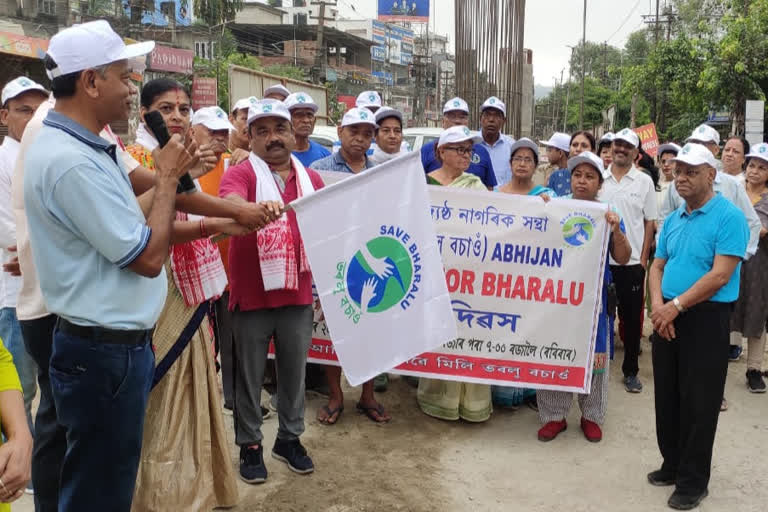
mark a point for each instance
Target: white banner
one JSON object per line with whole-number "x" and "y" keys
{"x": 375, "y": 260}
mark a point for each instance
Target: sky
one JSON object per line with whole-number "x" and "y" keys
{"x": 550, "y": 25}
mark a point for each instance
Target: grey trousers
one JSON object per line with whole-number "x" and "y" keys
{"x": 291, "y": 327}
{"x": 225, "y": 335}
{"x": 554, "y": 405}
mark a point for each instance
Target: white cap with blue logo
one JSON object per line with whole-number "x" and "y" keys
{"x": 629, "y": 136}
{"x": 494, "y": 102}
{"x": 456, "y": 104}
{"x": 456, "y": 134}
{"x": 696, "y": 154}
{"x": 268, "y": 108}
{"x": 358, "y": 116}
{"x": 212, "y": 118}
{"x": 277, "y": 89}
{"x": 368, "y": 99}
{"x": 759, "y": 151}
{"x": 586, "y": 157}
{"x": 300, "y": 100}
{"x": 18, "y": 86}
{"x": 704, "y": 134}
{"x": 245, "y": 103}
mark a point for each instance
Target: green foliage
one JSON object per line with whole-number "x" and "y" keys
{"x": 216, "y": 12}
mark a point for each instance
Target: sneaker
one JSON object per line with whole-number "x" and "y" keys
{"x": 591, "y": 430}
{"x": 551, "y": 430}
{"x": 29, "y": 489}
{"x": 293, "y": 454}
{"x": 734, "y": 353}
{"x": 265, "y": 413}
{"x": 680, "y": 501}
{"x": 661, "y": 478}
{"x": 632, "y": 384}
{"x": 252, "y": 468}
{"x": 755, "y": 382}
{"x": 381, "y": 383}
{"x": 273, "y": 403}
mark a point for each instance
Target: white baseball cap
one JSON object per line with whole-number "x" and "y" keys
{"x": 629, "y": 136}
{"x": 607, "y": 136}
{"x": 669, "y": 147}
{"x": 386, "y": 112}
{"x": 456, "y": 104}
{"x": 586, "y": 157}
{"x": 212, "y": 118}
{"x": 458, "y": 134}
{"x": 268, "y": 108}
{"x": 759, "y": 151}
{"x": 494, "y": 102}
{"x": 705, "y": 134}
{"x": 90, "y": 45}
{"x": 696, "y": 154}
{"x": 558, "y": 140}
{"x": 300, "y": 100}
{"x": 245, "y": 103}
{"x": 277, "y": 89}
{"x": 18, "y": 86}
{"x": 368, "y": 99}
{"x": 358, "y": 116}
{"x": 525, "y": 142}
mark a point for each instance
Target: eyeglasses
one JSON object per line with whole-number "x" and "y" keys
{"x": 523, "y": 160}
{"x": 459, "y": 151}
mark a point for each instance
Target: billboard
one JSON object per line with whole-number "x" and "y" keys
{"x": 404, "y": 10}
{"x": 392, "y": 44}
{"x": 160, "y": 16}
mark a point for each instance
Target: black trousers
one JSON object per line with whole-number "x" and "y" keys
{"x": 630, "y": 291}
{"x": 689, "y": 376}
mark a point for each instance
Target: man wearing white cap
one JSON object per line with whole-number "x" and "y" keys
{"x": 632, "y": 192}
{"x": 20, "y": 99}
{"x": 499, "y": 146}
{"x": 303, "y": 109}
{"x": 694, "y": 281}
{"x": 277, "y": 92}
{"x": 270, "y": 301}
{"x": 456, "y": 113}
{"x": 211, "y": 126}
{"x": 708, "y": 137}
{"x": 99, "y": 261}
{"x": 389, "y": 136}
{"x": 355, "y": 133}
{"x": 370, "y": 100}
{"x": 238, "y": 138}
{"x": 558, "y": 147}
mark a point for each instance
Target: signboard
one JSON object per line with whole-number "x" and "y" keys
{"x": 507, "y": 282}
{"x": 649, "y": 139}
{"x": 23, "y": 46}
{"x": 383, "y": 76}
{"x": 754, "y": 115}
{"x": 162, "y": 13}
{"x": 204, "y": 92}
{"x": 416, "y": 11}
{"x": 392, "y": 44}
{"x": 175, "y": 60}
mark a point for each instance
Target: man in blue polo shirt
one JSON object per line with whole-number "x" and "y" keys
{"x": 355, "y": 133}
{"x": 456, "y": 113}
{"x": 694, "y": 281}
{"x": 99, "y": 262}
{"x": 492, "y": 118}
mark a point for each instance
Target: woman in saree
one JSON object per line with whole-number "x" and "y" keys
{"x": 450, "y": 400}
{"x": 185, "y": 462}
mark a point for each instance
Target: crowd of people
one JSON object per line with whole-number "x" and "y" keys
{"x": 121, "y": 305}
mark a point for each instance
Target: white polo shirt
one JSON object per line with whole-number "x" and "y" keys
{"x": 635, "y": 197}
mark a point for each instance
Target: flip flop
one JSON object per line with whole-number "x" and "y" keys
{"x": 368, "y": 411}
{"x": 330, "y": 412}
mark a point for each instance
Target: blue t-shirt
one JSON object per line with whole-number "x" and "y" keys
{"x": 560, "y": 182}
{"x": 480, "y": 164}
{"x": 315, "y": 152}
{"x": 690, "y": 241}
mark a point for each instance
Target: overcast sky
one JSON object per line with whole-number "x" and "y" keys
{"x": 550, "y": 25}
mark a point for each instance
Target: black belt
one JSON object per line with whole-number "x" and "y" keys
{"x": 103, "y": 334}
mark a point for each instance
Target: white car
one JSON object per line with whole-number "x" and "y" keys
{"x": 326, "y": 136}
{"x": 417, "y": 137}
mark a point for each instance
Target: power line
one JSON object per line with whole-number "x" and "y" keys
{"x": 637, "y": 4}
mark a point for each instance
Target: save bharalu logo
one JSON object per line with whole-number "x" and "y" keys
{"x": 382, "y": 274}
{"x": 578, "y": 228}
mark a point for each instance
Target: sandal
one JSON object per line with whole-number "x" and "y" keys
{"x": 724, "y": 405}
{"x": 330, "y": 413}
{"x": 368, "y": 411}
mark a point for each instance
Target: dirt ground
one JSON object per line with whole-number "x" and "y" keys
{"x": 419, "y": 464}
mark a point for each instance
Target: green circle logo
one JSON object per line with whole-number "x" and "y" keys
{"x": 577, "y": 231}
{"x": 381, "y": 283}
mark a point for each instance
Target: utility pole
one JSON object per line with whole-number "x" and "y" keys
{"x": 321, "y": 58}
{"x": 583, "y": 63}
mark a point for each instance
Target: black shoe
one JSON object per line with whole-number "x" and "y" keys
{"x": 734, "y": 353}
{"x": 661, "y": 478}
{"x": 632, "y": 384}
{"x": 265, "y": 413}
{"x": 755, "y": 382}
{"x": 680, "y": 501}
{"x": 252, "y": 468}
{"x": 293, "y": 454}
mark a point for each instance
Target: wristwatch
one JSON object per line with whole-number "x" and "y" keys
{"x": 680, "y": 308}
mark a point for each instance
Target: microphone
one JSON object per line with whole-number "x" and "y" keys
{"x": 156, "y": 125}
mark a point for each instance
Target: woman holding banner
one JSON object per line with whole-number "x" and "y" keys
{"x": 184, "y": 433}
{"x": 442, "y": 399}
{"x": 586, "y": 179}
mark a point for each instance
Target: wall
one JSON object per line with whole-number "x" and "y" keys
{"x": 256, "y": 14}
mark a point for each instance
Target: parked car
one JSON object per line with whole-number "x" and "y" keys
{"x": 419, "y": 136}
{"x": 326, "y": 136}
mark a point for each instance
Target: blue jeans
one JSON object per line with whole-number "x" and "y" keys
{"x": 101, "y": 391}
{"x": 10, "y": 332}
{"x": 50, "y": 437}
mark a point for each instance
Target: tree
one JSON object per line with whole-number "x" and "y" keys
{"x": 216, "y": 12}
{"x": 602, "y": 62}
